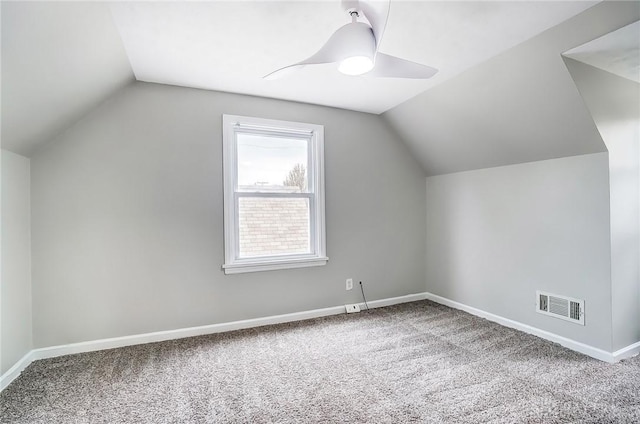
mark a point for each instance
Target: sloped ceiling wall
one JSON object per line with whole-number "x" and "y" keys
{"x": 51, "y": 76}
{"x": 617, "y": 52}
{"x": 520, "y": 106}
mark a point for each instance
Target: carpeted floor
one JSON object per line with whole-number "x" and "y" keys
{"x": 418, "y": 362}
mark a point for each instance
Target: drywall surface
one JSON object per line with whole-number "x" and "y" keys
{"x": 128, "y": 219}
{"x": 59, "y": 59}
{"x": 520, "y": 106}
{"x": 614, "y": 103}
{"x": 495, "y": 236}
{"x": 15, "y": 290}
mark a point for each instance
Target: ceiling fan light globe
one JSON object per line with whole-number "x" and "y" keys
{"x": 356, "y": 65}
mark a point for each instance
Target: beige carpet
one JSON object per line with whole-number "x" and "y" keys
{"x": 418, "y": 362}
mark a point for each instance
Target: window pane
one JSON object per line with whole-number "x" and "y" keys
{"x": 272, "y": 164}
{"x": 273, "y": 226}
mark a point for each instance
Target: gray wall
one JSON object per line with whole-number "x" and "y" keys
{"x": 614, "y": 103}
{"x": 15, "y": 290}
{"x": 495, "y": 236}
{"x": 127, "y": 218}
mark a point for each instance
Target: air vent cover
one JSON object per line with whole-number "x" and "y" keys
{"x": 562, "y": 307}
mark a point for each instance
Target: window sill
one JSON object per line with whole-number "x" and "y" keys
{"x": 238, "y": 268}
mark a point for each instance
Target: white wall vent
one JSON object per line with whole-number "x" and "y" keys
{"x": 562, "y": 307}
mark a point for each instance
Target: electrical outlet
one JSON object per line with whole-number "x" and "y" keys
{"x": 349, "y": 283}
{"x": 352, "y": 309}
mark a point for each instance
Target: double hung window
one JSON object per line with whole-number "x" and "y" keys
{"x": 273, "y": 194}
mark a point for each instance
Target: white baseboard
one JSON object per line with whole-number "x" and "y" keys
{"x": 15, "y": 370}
{"x": 95, "y": 345}
{"x": 594, "y": 352}
{"x": 626, "y": 352}
{"x": 393, "y": 301}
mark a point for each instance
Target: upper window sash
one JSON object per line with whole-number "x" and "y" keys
{"x": 269, "y": 130}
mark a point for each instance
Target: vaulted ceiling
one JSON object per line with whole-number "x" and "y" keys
{"x": 229, "y": 46}
{"x": 503, "y": 94}
{"x": 60, "y": 59}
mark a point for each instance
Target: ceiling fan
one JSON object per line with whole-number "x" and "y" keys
{"x": 354, "y": 47}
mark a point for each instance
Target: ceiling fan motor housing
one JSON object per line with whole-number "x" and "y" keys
{"x": 353, "y": 39}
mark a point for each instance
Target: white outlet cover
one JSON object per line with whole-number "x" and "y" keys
{"x": 352, "y": 309}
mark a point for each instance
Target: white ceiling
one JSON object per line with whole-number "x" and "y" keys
{"x": 617, "y": 52}
{"x": 229, "y": 46}
{"x": 60, "y": 59}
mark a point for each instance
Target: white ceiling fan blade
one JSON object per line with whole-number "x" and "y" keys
{"x": 283, "y": 72}
{"x": 387, "y": 66}
{"x": 327, "y": 54}
{"x": 377, "y": 13}
{"x": 353, "y": 37}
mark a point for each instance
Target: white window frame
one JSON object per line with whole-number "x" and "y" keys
{"x": 231, "y": 126}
